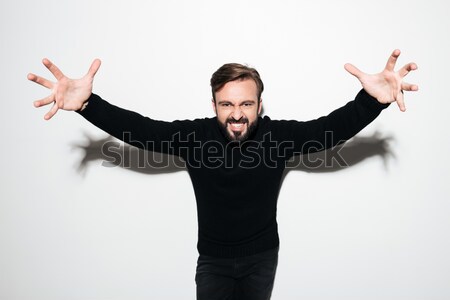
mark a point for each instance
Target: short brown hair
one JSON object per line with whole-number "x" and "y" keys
{"x": 232, "y": 72}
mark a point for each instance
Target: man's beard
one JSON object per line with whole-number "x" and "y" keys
{"x": 238, "y": 136}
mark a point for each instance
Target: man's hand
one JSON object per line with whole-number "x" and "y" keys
{"x": 66, "y": 93}
{"x": 387, "y": 86}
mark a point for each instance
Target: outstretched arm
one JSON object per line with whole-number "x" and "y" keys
{"x": 128, "y": 126}
{"x": 67, "y": 94}
{"x": 386, "y": 86}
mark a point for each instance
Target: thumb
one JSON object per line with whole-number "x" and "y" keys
{"x": 353, "y": 70}
{"x": 94, "y": 67}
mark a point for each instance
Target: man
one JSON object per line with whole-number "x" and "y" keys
{"x": 235, "y": 161}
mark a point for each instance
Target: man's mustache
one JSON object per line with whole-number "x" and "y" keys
{"x": 242, "y": 120}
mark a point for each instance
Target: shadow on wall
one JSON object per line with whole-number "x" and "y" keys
{"x": 343, "y": 156}
{"x": 113, "y": 153}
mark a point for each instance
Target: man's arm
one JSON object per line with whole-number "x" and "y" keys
{"x": 130, "y": 127}
{"x": 379, "y": 90}
{"x": 328, "y": 131}
{"x": 137, "y": 130}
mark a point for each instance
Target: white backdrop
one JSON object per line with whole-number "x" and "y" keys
{"x": 69, "y": 230}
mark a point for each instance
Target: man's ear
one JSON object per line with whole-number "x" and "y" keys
{"x": 214, "y": 105}
{"x": 260, "y": 106}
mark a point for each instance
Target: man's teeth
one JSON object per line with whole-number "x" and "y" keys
{"x": 237, "y": 125}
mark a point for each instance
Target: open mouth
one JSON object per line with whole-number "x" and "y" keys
{"x": 237, "y": 130}
{"x": 237, "y": 126}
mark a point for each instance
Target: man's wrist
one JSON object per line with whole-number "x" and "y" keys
{"x": 84, "y": 105}
{"x": 370, "y": 101}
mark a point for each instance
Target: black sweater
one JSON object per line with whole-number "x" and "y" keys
{"x": 236, "y": 185}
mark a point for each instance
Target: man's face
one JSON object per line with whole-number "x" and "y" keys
{"x": 237, "y": 108}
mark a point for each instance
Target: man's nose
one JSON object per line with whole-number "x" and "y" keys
{"x": 237, "y": 113}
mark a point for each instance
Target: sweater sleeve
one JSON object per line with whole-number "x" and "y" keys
{"x": 140, "y": 131}
{"x": 331, "y": 130}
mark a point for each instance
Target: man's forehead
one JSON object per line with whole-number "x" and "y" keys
{"x": 238, "y": 90}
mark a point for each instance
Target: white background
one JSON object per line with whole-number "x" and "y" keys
{"x": 376, "y": 230}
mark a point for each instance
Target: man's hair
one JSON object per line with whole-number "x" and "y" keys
{"x": 232, "y": 72}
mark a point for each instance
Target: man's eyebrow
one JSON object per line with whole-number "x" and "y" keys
{"x": 229, "y": 101}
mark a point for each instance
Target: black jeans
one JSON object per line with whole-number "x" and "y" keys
{"x": 244, "y": 278}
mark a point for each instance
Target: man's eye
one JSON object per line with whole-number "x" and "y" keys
{"x": 226, "y": 104}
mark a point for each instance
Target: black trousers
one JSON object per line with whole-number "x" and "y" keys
{"x": 244, "y": 278}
